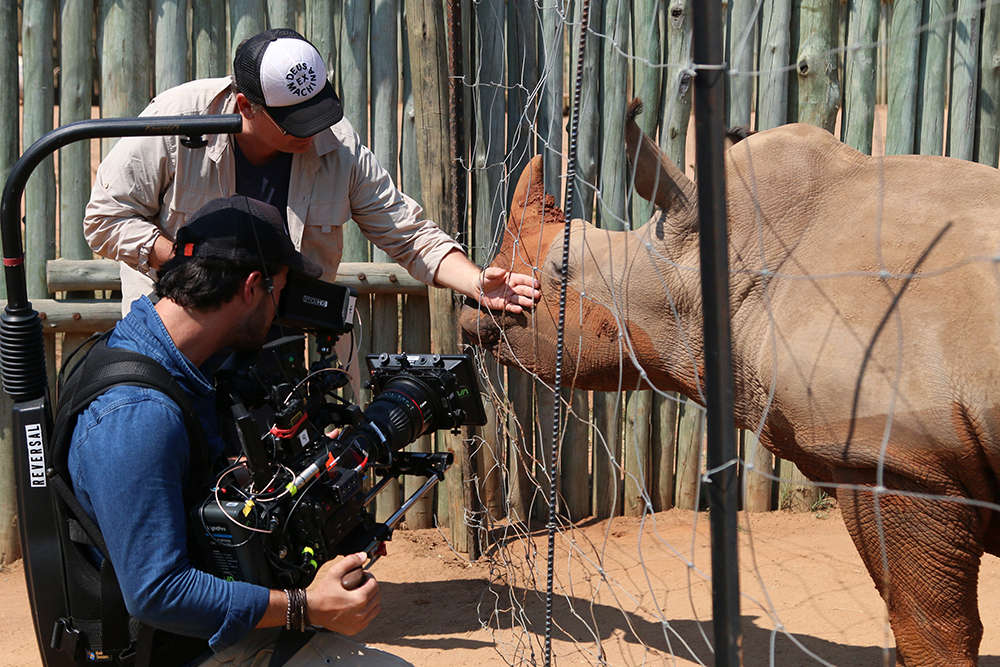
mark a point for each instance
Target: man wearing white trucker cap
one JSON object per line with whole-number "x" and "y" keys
{"x": 296, "y": 152}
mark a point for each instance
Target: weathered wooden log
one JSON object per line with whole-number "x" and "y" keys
{"x": 77, "y": 315}
{"x": 902, "y": 73}
{"x": 425, "y": 28}
{"x": 859, "y": 75}
{"x": 102, "y": 274}
{"x": 964, "y": 80}
{"x": 814, "y": 93}
{"x": 934, "y": 57}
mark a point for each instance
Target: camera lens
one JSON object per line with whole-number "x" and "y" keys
{"x": 402, "y": 412}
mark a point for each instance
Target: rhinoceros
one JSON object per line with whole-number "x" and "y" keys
{"x": 865, "y": 316}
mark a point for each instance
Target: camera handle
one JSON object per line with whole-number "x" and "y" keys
{"x": 432, "y": 466}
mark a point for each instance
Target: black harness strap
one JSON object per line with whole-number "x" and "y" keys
{"x": 101, "y": 369}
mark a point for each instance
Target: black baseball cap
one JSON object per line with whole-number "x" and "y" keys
{"x": 283, "y": 72}
{"x": 242, "y": 229}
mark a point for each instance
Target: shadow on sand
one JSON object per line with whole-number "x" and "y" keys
{"x": 419, "y": 613}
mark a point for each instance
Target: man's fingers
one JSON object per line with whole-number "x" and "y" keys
{"x": 353, "y": 579}
{"x": 348, "y": 563}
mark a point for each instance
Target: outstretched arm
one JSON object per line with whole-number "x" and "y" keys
{"x": 493, "y": 287}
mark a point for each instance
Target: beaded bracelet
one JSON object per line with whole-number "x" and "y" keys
{"x": 297, "y": 616}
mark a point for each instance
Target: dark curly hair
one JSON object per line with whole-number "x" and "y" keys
{"x": 206, "y": 283}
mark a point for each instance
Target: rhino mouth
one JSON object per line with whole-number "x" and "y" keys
{"x": 480, "y": 326}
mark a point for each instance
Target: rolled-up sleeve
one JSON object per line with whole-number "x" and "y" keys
{"x": 121, "y": 220}
{"x": 394, "y": 222}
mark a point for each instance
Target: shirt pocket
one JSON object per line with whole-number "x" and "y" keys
{"x": 323, "y": 234}
{"x": 182, "y": 208}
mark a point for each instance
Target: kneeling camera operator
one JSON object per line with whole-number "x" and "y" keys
{"x": 197, "y": 535}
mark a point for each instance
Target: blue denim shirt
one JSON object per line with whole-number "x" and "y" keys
{"x": 129, "y": 461}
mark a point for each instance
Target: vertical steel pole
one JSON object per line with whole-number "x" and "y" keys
{"x": 709, "y": 102}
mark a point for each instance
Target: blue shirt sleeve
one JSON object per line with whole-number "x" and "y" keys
{"x": 129, "y": 462}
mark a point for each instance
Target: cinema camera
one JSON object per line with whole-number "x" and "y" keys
{"x": 297, "y": 498}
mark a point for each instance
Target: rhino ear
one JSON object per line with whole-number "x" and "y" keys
{"x": 530, "y": 204}
{"x": 657, "y": 179}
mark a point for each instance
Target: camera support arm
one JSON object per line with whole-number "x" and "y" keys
{"x": 22, "y": 361}
{"x": 432, "y": 466}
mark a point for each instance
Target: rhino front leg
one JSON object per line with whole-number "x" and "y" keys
{"x": 929, "y": 574}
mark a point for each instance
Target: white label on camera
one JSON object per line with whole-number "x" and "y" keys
{"x": 36, "y": 454}
{"x": 351, "y": 301}
{"x": 303, "y": 437}
{"x": 313, "y": 301}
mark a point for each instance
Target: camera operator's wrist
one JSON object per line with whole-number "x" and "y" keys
{"x": 297, "y": 614}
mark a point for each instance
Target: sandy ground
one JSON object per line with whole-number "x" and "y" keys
{"x": 652, "y": 606}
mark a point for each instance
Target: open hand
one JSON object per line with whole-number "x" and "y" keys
{"x": 503, "y": 290}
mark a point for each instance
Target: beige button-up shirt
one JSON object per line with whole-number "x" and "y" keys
{"x": 149, "y": 186}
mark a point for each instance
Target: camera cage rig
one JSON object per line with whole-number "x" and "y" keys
{"x": 25, "y": 380}
{"x": 296, "y": 497}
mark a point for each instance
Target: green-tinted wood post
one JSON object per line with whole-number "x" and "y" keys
{"x": 521, "y": 453}
{"x": 607, "y": 452}
{"x": 425, "y": 27}
{"x": 544, "y": 404}
{"x": 815, "y": 90}
{"x": 10, "y": 545}
{"x": 637, "y": 451}
{"x": 648, "y": 86}
{"x": 39, "y": 98}
{"x": 795, "y": 492}
{"x": 76, "y": 88}
{"x": 209, "y": 54}
{"x": 904, "y": 40}
{"x": 814, "y": 94}
{"x": 988, "y": 109}
{"x": 551, "y": 124}
{"x": 488, "y": 213}
{"x": 125, "y": 67}
{"x": 934, "y": 56}
{"x": 416, "y": 317}
{"x": 677, "y": 97}
{"x": 772, "y": 95}
{"x": 520, "y": 57}
{"x": 690, "y": 438}
{"x": 170, "y": 43}
{"x": 859, "y": 74}
{"x": 574, "y": 447}
{"x": 677, "y": 102}
{"x": 40, "y": 193}
{"x": 352, "y": 46}
{"x": 246, "y": 18}
{"x": 964, "y": 80}
{"x": 772, "y": 109}
{"x": 664, "y": 451}
{"x": 385, "y": 144}
{"x": 757, "y": 484}
{"x": 588, "y": 139}
{"x": 282, "y": 14}
{"x": 882, "y": 77}
{"x": 417, "y": 336}
{"x": 319, "y": 29}
{"x": 613, "y": 216}
{"x": 76, "y": 92}
{"x": 740, "y": 56}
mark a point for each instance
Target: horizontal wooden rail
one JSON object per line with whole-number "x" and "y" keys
{"x": 77, "y": 315}
{"x": 67, "y": 275}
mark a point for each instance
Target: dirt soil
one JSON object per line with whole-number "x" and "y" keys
{"x": 797, "y": 570}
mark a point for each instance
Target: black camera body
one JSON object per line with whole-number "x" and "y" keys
{"x": 300, "y": 494}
